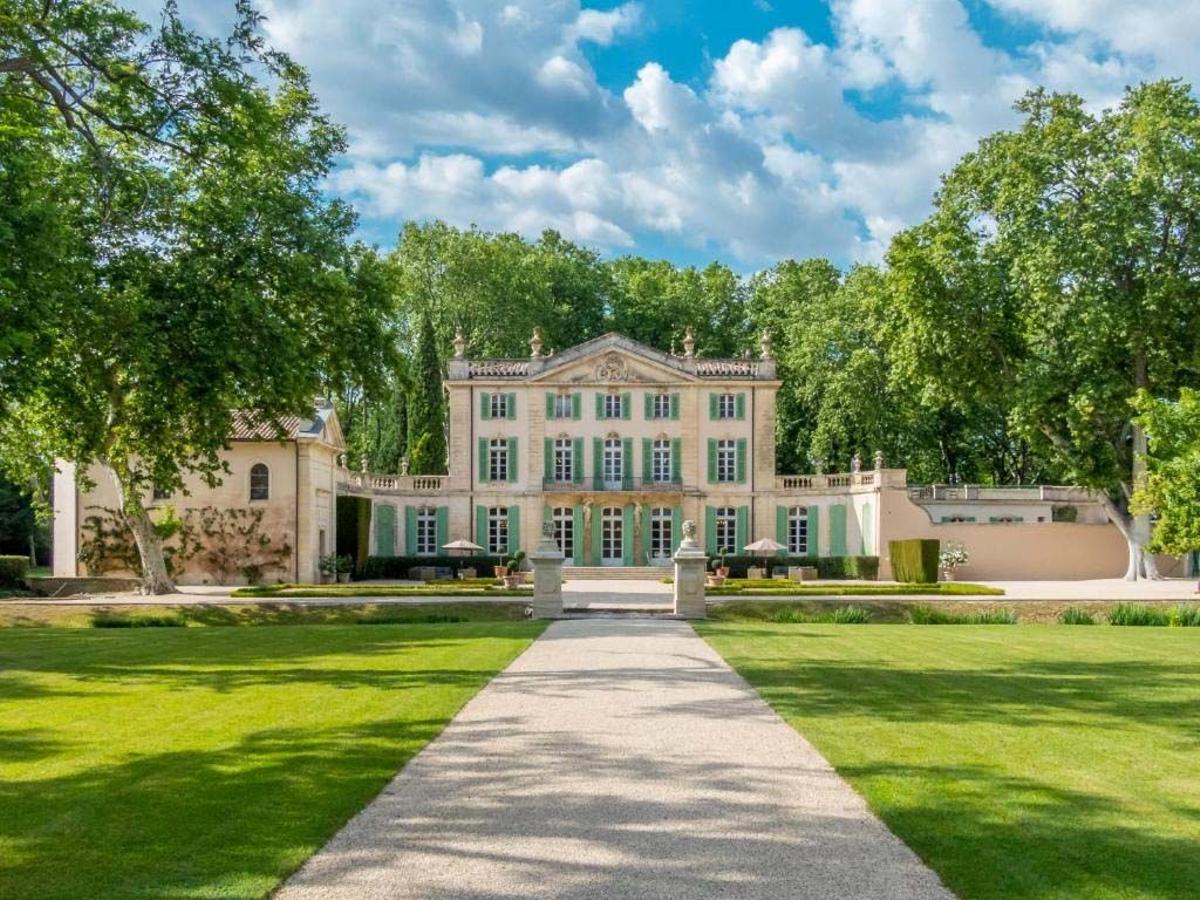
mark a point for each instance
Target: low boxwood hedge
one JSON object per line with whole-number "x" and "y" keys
{"x": 12, "y": 571}
{"x": 398, "y": 566}
{"x": 860, "y": 568}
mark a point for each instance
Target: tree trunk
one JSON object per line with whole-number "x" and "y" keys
{"x": 1124, "y": 523}
{"x": 1143, "y": 563}
{"x": 155, "y": 577}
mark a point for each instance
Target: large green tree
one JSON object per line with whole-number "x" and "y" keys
{"x": 1058, "y": 276}
{"x": 426, "y": 407}
{"x": 1170, "y": 488}
{"x": 176, "y": 180}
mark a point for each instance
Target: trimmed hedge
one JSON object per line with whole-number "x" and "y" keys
{"x": 915, "y": 561}
{"x": 398, "y": 566}
{"x": 865, "y": 568}
{"x": 12, "y": 571}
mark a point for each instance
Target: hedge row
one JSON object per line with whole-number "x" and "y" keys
{"x": 12, "y": 571}
{"x": 864, "y": 568}
{"x": 915, "y": 561}
{"x": 398, "y": 566}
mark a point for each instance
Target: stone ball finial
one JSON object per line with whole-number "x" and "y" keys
{"x": 764, "y": 344}
{"x": 689, "y": 344}
{"x": 460, "y": 344}
{"x": 535, "y": 344}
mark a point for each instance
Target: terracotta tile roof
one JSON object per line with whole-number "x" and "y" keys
{"x": 248, "y": 427}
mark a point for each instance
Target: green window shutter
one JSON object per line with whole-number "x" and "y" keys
{"x": 483, "y": 459}
{"x": 627, "y": 534}
{"x": 627, "y": 461}
{"x": 576, "y": 404}
{"x": 675, "y": 407}
{"x": 512, "y": 459}
{"x": 648, "y": 405}
{"x": 548, "y": 458}
{"x": 993, "y": 519}
{"x": 742, "y": 528}
{"x": 578, "y": 538}
{"x": 410, "y": 530}
{"x": 647, "y": 460}
{"x": 712, "y": 460}
{"x": 710, "y": 530}
{"x": 626, "y": 405}
{"x": 385, "y": 529}
{"x": 485, "y": 406}
{"x": 676, "y": 463}
{"x": 598, "y": 460}
{"x": 646, "y": 517}
{"x": 443, "y": 526}
{"x": 739, "y": 405}
{"x": 837, "y": 530}
{"x": 577, "y": 459}
{"x": 741, "y": 461}
{"x": 781, "y": 526}
{"x": 712, "y": 406}
{"x": 814, "y": 531}
{"x": 510, "y": 406}
{"x": 676, "y": 524}
{"x": 549, "y": 406}
{"x": 481, "y": 534}
{"x": 596, "y": 536}
{"x": 599, "y": 406}
{"x": 514, "y": 529}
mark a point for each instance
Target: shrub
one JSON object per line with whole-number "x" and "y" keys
{"x": 1136, "y": 614}
{"x": 788, "y": 614}
{"x": 927, "y": 615}
{"x": 1185, "y": 616}
{"x": 842, "y": 615}
{"x": 398, "y": 566}
{"x": 109, "y": 620}
{"x": 12, "y": 570}
{"x": 1073, "y": 615}
{"x": 915, "y": 561}
{"x": 848, "y": 615}
{"x": 858, "y": 567}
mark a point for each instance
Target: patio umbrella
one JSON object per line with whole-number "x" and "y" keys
{"x": 465, "y": 546}
{"x": 765, "y": 545}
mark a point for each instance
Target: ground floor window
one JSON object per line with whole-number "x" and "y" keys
{"x": 726, "y": 529}
{"x": 661, "y": 537}
{"x": 426, "y": 542}
{"x": 612, "y": 550}
{"x": 497, "y": 536}
{"x": 797, "y": 535}
{"x": 564, "y": 530}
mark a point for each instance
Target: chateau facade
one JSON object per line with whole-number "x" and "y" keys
{"x": 618, "y": 443}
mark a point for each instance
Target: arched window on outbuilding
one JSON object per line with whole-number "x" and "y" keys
{"x": 260, "y": 482}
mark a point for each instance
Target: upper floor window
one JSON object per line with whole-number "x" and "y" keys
{"x": 950, "y": 520}
{"x": 660, "y": 467}
{"x": 426, "y": 542}
{"x": 797, "y": 533}
{"x": 726, "y": 521}
{"x": 497, "y": 536}
{"x": 727, "y": 461}
{"x": 727, "y": 406}
{"x": 260, "y": 482}
{"x": 564, "y": 459}
{"x": 498, "y": 461}
{"x": 564, "y": 407}
{"x": 612, "y": 406}
{"x": 499, "y": 406}
{"x": 662, "y": 406}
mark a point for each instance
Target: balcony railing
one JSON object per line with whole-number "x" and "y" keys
{"x": 1007, "y": 492}
{"x": 399, "y": 484}
{"x": 600, "y": 484}
{"x": 821, "y": 482}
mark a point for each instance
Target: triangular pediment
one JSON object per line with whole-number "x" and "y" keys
{"x": 613, "y": 359}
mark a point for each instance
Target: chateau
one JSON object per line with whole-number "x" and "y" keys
{"x": 617, "y": 443}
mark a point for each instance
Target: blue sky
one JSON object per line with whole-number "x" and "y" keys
{"x": 742, "y": 130}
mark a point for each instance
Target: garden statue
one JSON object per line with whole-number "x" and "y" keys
{"x": 689, "y": 344}
{"x": 856, "y": 463}
{"x": 460, "y": 344}
{"x": 878, "y": 460}
{"x": 535, "y": 344}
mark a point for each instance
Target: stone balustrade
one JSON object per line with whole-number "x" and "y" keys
{"x": 825, "y": 482}
{"x": 398, "y": 484}
{"x": 971, "y": 492}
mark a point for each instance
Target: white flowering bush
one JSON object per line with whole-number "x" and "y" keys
{"x": 952, "y": 556}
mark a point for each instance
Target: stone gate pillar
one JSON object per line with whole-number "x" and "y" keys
{"x": 690, "y": 566}
{"x": 547, "y": 562}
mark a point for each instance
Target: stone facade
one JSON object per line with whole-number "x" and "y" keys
{"x": 616, "y": 444}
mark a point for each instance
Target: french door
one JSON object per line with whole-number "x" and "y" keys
{"x": 660, "y": 536}
{"x": 614, "y": 463}
{"x": 564, "y": 532}
{"x": 612, "y": 537}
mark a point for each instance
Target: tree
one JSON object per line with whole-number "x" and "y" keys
{"x": 178, "y": 180}
{"x": 1057, "y": 277}
{"x": 1170, "y": 489}
{"x": 427, "y": 407}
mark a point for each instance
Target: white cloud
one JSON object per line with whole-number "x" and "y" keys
{"x": 602, "y": 27}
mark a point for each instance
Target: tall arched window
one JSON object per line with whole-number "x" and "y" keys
{"x": 260, "y": 482}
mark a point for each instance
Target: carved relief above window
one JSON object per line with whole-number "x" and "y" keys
{"x": 613, "y": 368}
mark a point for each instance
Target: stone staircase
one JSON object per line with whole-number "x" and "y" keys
{"x": 615, "y": 573}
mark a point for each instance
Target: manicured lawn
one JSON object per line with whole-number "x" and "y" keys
{"x": 209, "y": 761}
{"x": 1028, "y": 761}
{"x": 382, "y": 590}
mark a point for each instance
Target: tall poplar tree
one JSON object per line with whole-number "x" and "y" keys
{"x": 427, "y": 407}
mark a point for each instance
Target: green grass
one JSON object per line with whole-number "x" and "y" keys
{"x": 1029, "y": 762}
{"x": 768, "y": 587}
{"x": 210, "y": 762}
{"x": 381, "y": 590}
{"x": 932, "y": 615}
{"x": 1073, "y": 615}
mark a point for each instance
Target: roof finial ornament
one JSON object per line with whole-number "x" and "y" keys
{"x": 764, "y": 343}
{"x": 878, "y": 460}
{"x": 460, "y": 343}
{"x": 689, "y": 344}
{"x": 535, "y": 344}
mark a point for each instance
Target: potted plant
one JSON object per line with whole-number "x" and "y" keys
{"x": 345, "y": 565}
{"x": 328, "y": 567}
{"x": 717, "y": 578}
{"x": 721, "y": 567}
{"x": 952, "y": 555}
{"x": 513, "y": 576}
{"x": 501, "y": 568}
